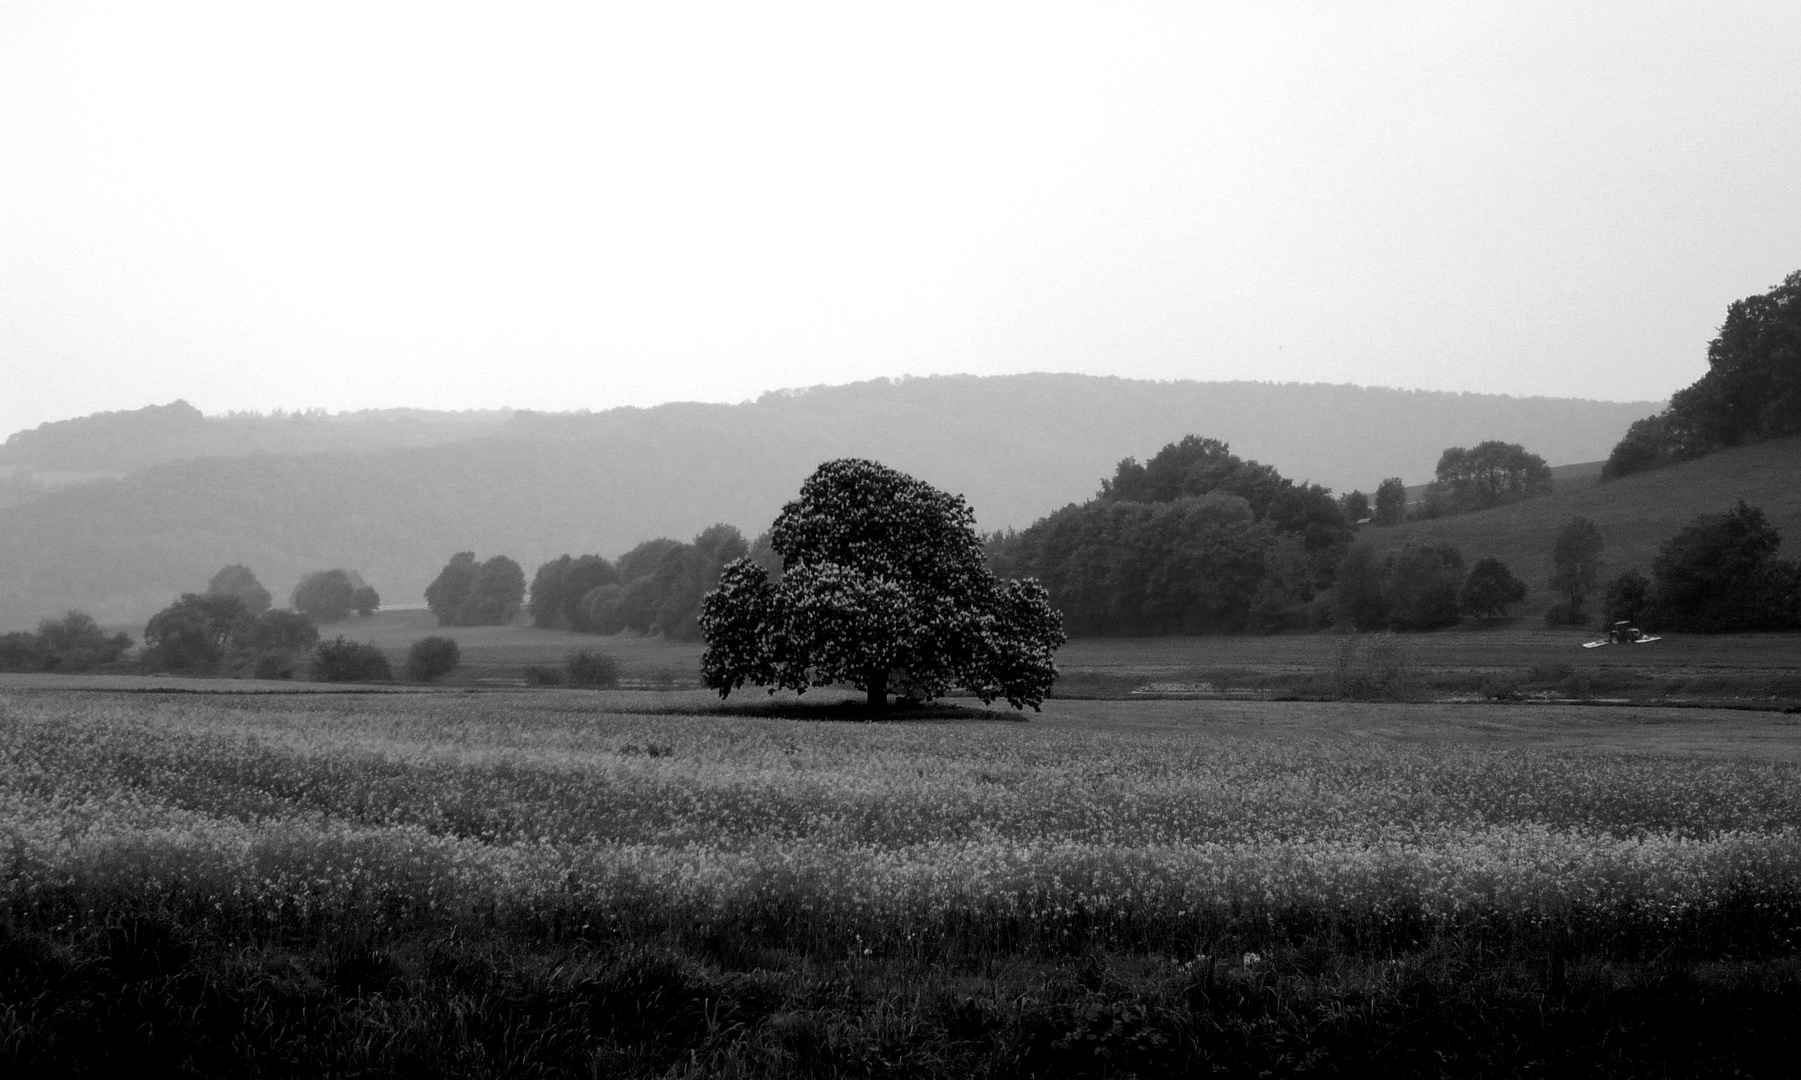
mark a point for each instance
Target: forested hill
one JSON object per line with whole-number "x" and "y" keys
{"x": 116, "y": 443}
{"x": 539, "y": 485}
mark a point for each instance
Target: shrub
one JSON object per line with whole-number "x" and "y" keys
{"x": 543, "y": 675}
{"x": 341, "y": 660}
{"x": 273, "y": 664}
{"x": 589, "y": 667}
{"x": 431, "y": 657}
{"x": 1372, "y": 667}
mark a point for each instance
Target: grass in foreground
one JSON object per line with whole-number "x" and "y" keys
{"x": 531, "y": 883}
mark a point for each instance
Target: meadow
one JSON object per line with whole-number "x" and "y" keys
{"x": 567, "y": 882}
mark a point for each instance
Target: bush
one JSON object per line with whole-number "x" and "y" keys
{"x": 341, "y": 660}
{"x": 589, "y": 667}
{"x": 543, "y": 675}
{"x": 431, "y": 657}
{"x": 1372, "y": 667}
{"x": 273, "y": 664}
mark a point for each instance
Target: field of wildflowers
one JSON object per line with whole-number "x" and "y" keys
{"x": 149, "y": 829}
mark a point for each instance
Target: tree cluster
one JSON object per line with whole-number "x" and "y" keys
{"x": 331, "y": 595}
{"x": 1720, "y": 573}
{"x": 656, "y": 588}
{"x": 74, "y": 642}
{"x": 1418, "y": 587}
{"x": 1194, "y": 540}
{"x": 1489, "y": 474}
{"x": 1751, "y": 391}
{"x": 884, "y": 586}
{"x": 205, "y": 632}
{"x": 468, "y": 593}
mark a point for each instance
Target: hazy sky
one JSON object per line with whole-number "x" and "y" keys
{"x": 253, "y": 205}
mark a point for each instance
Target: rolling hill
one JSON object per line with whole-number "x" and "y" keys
{"x": 1635, "y": 513}
{"x": 537, "y": 484}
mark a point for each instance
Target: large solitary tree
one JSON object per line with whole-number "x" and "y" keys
{"x": 884, "y": 586}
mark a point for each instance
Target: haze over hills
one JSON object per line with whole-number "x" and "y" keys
{"x": 535, "y": 485}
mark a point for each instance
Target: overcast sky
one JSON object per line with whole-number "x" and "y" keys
{"x": 260, "y": 205}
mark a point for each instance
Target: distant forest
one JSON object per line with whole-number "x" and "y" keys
{"x": 537, "y": 485}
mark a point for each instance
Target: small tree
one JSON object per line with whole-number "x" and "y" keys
{"x": 1391, "y": 502}
{"x": 1628, "y": 596}
{"x": 1576, "y": 568}
{"x": 342, "y": 660}
{"x": 432, "y": 657}
{"x": 365, "y": 600}
{"x": 1356, "y": 507}
{"x": 1721, "y": 573}
{"x": 1489, "y": 588}
{"x": 884, "y": 587}
{"x": 326, "y": 595}
{"x": 237, "y": 580}
{"x": 193, "y": 632}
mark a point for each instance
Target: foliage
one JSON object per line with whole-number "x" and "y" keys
{"x": 1576, "y": 560}
{"x": 1357, "y": 592}
{"x": 591, "y": 667}
{"x": 343, "y": 660}
{"x": 661, "y": 584}
{"x": 74, "y": 642}
{"x": 1628, "y": 596}
{"x": 884, "y": 587}
{"x": 365, "y": 600}
{"x": 1356, "y": 507}
{"x": 467, "y": 593}
{"x": 237, "y": 580}
{"x": 1489, "y": 588}
{"x": 1721, "y": 573}
{"x": 559, "y": 587}
{"x": 1421, "y": 585}
{"x": 1751, "y": 392}
{"x": 1191, "y": 541}
{"x": 331, "y": 595}
{"x": 194, "y": 632}
{"x": 432, "y": 658}
{"x": 1489, "y": 474}
{"x": 282, "y": 633}
{"x": 1391, "y": 501}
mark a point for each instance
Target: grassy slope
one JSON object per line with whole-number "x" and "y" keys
{"x": 1636, "y": 514}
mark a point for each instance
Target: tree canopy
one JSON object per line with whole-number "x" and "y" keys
{"x": 194, "y": 632}
{"x": 1751, "y": 391}
{"x": 1489, "y": 474}
{"x": 331, "y": 595}
{"x": 1489, "y": 588}
{"x": 237, "y": 580}
{"x": 884, "y": 587}
{"x": 1195, "y": 540}
{"x": 1721, "y": 573}
{"x": 468, "y": 593}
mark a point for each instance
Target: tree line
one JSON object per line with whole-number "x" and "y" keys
{"x": 1751, "y": 391}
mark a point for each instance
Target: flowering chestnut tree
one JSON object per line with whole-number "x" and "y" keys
{"x": 883, "y": 586}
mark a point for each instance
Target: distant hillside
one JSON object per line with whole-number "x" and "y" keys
{"x": 117, "y": 443}
{"x": 538, "y": 485}
{"x": 1635, "y": 513}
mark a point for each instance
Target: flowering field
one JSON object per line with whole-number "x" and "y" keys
{"x": 572, "y": 815}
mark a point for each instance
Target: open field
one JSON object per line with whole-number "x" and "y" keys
{"x": 658, "y": 884}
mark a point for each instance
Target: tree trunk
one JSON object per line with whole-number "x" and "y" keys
{"x": 878, "y": 690}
